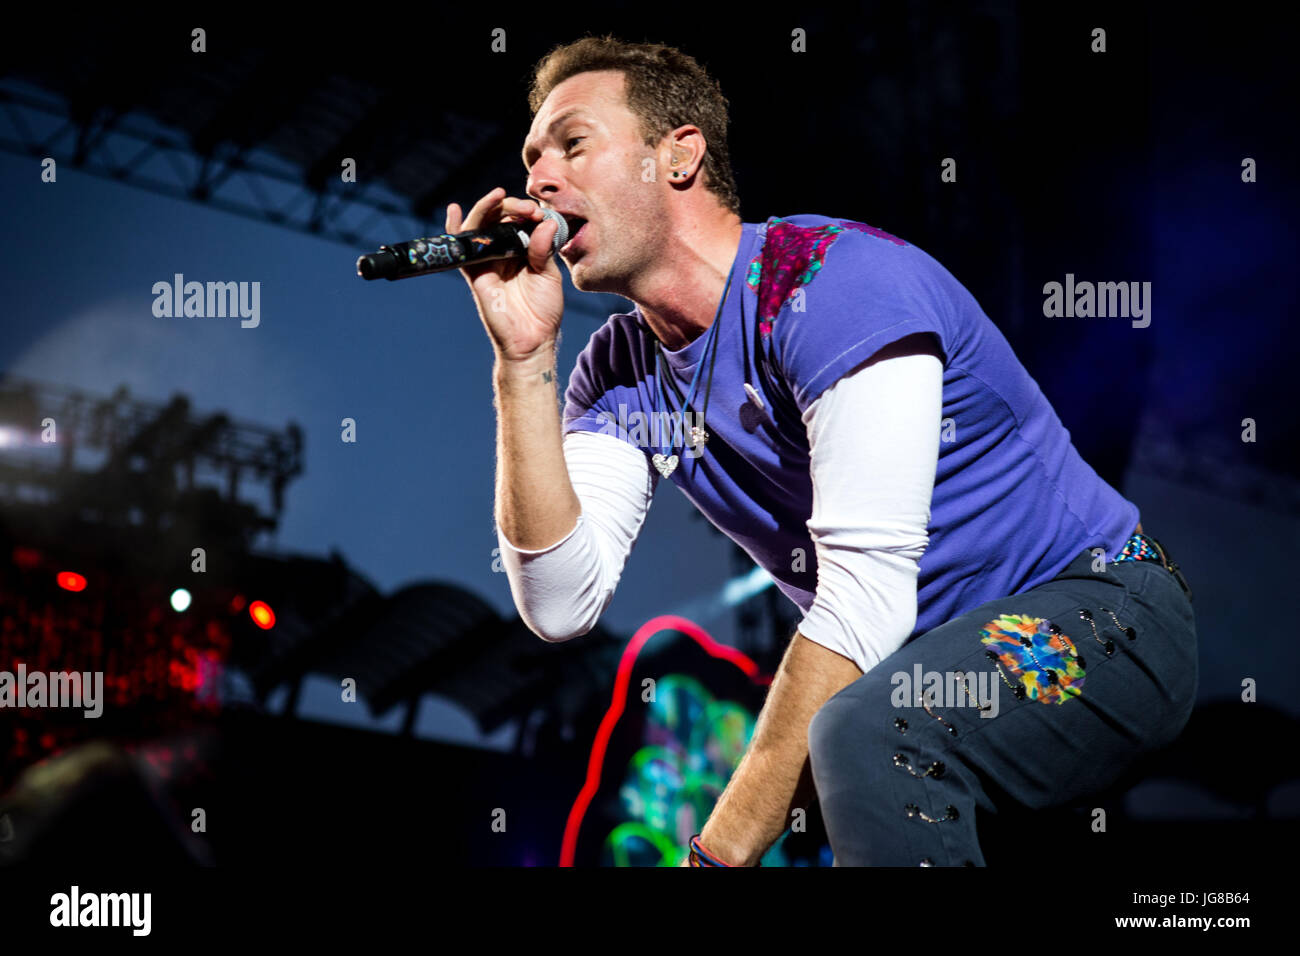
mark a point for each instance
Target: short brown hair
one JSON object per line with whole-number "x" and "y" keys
{"x": 665, "y": 89}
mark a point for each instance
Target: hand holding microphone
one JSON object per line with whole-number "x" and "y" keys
{"x": 520, "y": 298}
{"x": 424, "y": 256}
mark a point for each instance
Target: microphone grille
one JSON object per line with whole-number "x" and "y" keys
{"x": 561, "y": 232}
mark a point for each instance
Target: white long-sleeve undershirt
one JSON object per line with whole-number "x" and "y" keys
{"x": 874, "y": 443}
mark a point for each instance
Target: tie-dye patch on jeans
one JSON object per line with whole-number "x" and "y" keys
{"x": 1034, "y": 701}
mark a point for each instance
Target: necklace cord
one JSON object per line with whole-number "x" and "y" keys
{"x": 711, "y": 347}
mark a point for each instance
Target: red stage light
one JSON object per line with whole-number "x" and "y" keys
{"x": 71, "y": 581}
{"x": 262, "y": 615}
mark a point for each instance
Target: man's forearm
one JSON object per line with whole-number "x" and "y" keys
{"x": 774, "y": 776}
{"x": 536, "y": 505}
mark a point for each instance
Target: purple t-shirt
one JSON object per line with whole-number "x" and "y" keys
{"x": 810, "y": 298}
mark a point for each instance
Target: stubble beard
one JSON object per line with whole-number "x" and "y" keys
{"x": 614, "y": 272}
{"x": 623, "y": 257}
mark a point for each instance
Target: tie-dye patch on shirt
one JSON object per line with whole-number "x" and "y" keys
{"x": 791, "y": 257}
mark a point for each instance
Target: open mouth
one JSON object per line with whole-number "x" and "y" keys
{"x": 576, "y": 224}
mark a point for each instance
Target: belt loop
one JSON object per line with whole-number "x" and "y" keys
{"x": 1181, "y": 580}
{"x": 1171, "y": 567}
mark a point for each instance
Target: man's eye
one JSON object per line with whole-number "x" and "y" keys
{"x": 573, "y": 139}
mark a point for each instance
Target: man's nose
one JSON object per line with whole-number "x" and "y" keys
{"x": 542, "y": 182}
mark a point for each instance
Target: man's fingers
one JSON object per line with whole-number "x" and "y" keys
{"x": 522, "y": 207}
{"x": 539, "y": 244}
{"x": 481, "y": 208}
{"x": 497, "y": 201}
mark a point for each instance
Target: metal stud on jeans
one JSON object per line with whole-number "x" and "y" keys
{"x": 1108, "y": 644}
{"x": 936, "y": 769}
{"x": 912, "y": 810}
{"x": 1128, "y": 631}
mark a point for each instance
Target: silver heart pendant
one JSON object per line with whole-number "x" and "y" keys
{"x": 664, "y": 465}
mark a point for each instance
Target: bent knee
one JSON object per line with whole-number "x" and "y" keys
{"x": 851, "y": 724}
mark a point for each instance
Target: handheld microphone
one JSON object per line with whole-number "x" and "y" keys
{"x": 419, "y": 257}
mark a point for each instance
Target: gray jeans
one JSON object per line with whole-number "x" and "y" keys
{"x": 1080, "y": 678}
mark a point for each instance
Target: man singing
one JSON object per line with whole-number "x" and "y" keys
{"x": 841, "y": 407}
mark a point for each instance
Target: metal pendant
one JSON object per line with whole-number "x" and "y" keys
{"x": 664, "y": 465}
{"x": 698, "y": 436}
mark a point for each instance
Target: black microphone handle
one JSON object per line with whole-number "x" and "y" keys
{"x": 419, "y": 257}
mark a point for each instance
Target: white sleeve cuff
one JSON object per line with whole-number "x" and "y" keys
{"x": 561, "y": 590}
{"x": 557, "y": 589}
{"x": 507, "y": 546}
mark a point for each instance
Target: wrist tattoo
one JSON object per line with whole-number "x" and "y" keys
{"x": 546, "y": 376}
